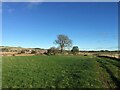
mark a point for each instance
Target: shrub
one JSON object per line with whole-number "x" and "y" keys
{"x": 52, "y": 51}
{"x": 22, "y": 51}
{"x": 4, "y": 50}
{"x": 75, "y": 50}
{"x": 33, "y": 52}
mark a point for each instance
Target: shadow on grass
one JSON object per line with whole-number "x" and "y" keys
{"x": 117, "y": 82}
{"x": 115, "y": 64}
{"x": 113, "y": 58}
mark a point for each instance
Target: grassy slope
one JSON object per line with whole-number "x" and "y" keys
{"x": 59, "y": 71}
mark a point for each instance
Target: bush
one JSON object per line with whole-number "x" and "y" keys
{"x": 75, "y": 50}
{"x": 22, "y": 51}
{"x": 33, "y": 52}
{"x": 4, "y": 50}
{"x": 52, "y": 51}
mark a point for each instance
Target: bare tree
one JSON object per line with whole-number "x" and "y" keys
{"x": 63, "y": 41}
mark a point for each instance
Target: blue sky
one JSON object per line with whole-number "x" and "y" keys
{"x": 91, "y": 26}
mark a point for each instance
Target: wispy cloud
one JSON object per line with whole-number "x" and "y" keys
{"x": 22, "y": 0}
{"x": 8, "y": 8}
{"x": 29, "y": 5}
{"x": 11, "y": 10}
{"x": 35, "y": 0}
{"x": 103, "y": 34}
{"x": 33, "y": 4}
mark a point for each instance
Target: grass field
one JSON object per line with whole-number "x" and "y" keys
{"x": 60, "y": 72}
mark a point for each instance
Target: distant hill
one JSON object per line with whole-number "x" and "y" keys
{"x": 18, "y": 48}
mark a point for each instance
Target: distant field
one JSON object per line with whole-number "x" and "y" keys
{"x": 60, "y": 72}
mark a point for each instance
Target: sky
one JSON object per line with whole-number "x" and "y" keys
{"x": 60, "y": 0}
{"x": 90, "y": 25}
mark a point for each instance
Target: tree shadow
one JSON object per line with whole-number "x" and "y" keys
{"x": 113, "y": 58}
{"x": 117, "y": 82}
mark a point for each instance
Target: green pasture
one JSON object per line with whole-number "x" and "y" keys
{"x": 59, "y": 72}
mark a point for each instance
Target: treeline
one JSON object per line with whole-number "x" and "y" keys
{"x": 55, "y": 51}
{"x": 101, "y": 51}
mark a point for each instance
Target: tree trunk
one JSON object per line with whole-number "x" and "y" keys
{"x": 62, "y": 48}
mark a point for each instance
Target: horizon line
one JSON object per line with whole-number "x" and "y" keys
{"x": 96, "y": 49}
